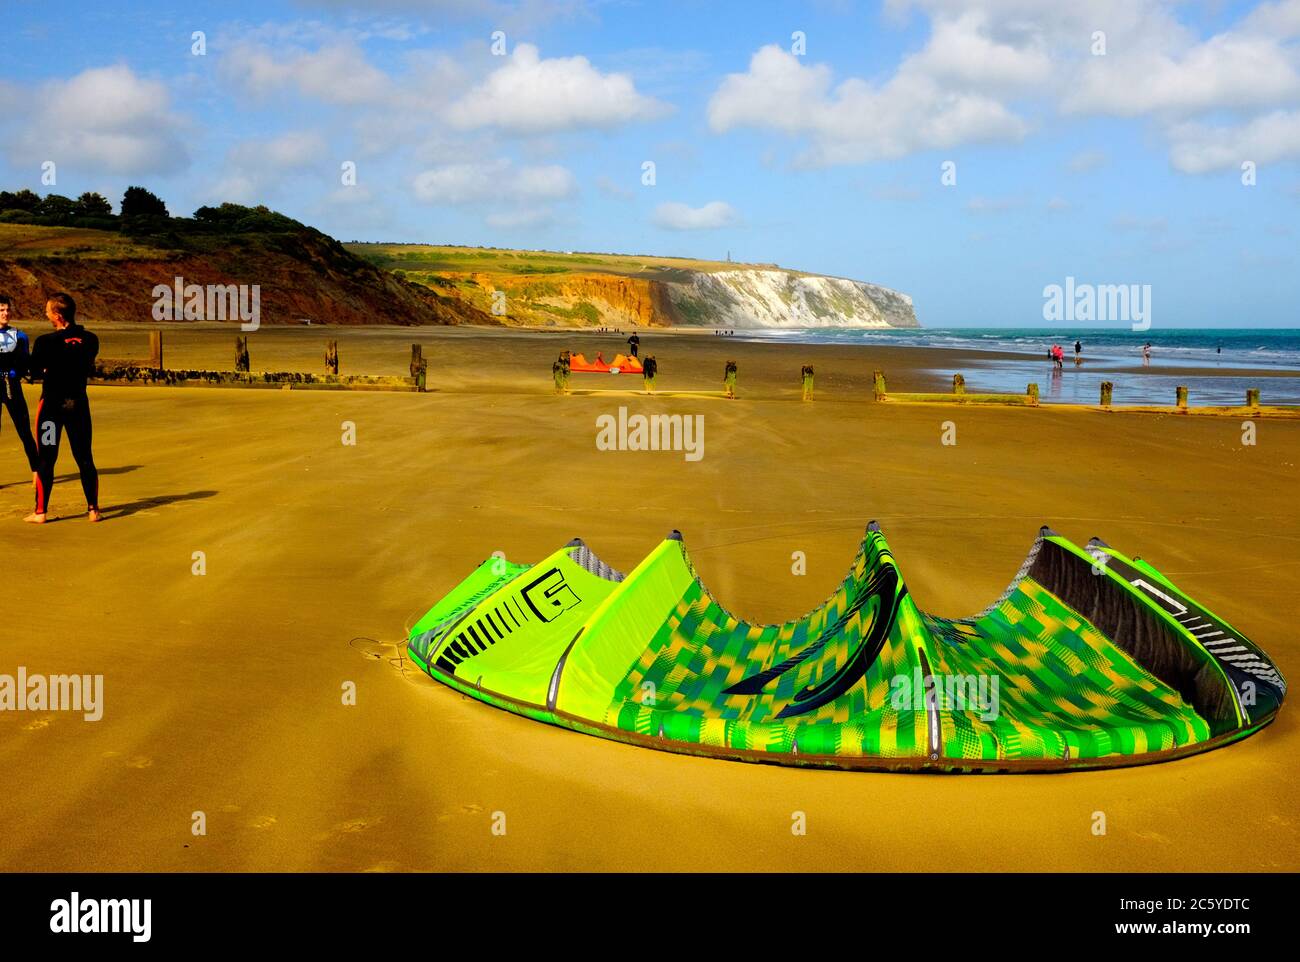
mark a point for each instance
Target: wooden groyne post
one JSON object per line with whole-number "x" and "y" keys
{"x": 419, "y": 367}
{"x": 1252, "y": 398}
{"x": 1107, "y": 391}
{"x": 958, "y": 384}
{"x": 241, "y": 354}
{"x": 332, "y": 357}
{"x": 155, "y": 350}
{"x": 1180, "y": 397}
{"x": 807, "y": 374}
{"x": 1032, "y": 391}
{"x": 878, "y": 385}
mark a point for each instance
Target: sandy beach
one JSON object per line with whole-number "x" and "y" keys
{"x": 223, "y": 691}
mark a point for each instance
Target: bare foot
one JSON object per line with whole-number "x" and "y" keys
{"x": 35, "y": 518}
{"x": 93, "y": 514}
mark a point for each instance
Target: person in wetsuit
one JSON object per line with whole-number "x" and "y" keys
{"x": 634, "y": 343}
{"x": 14, "y": 358}
{"x": 63, "y": 360}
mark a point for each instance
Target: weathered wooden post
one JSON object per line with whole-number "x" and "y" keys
{"x": 241, "y": 355}
{"x": 1107, "y": 391}
{"x": 1180, "y": 397}
{"x": 1252, "y": 397}
{"x": 155, "y": 350}
{"x": 807, "y": 374}
{"x": 958, "y": 384}
{"x": 1032, "y": 391}
{"x": 419, "y": 367}
{"x": 878, "y": 385}
{"x": 332, "y": 357}
{"x": 729, "y": 378}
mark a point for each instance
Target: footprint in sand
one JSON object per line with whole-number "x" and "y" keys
{"x": 139, "y": 761}
{"x": 350, "y": 827}
{"x": 357, "y": 824}
{"x": 262, "y": 821}
{"x": 470, "y": 809}
{"x": 1152, "y": 837}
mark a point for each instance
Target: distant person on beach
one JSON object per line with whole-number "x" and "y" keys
{"x": 649, "y": 369}
{"x": 1078, "y": 353}
{"x": 634, "y": 343}
{"x": 64, "y": 359}
{"x": 1146, "y": 354}
{"x": 15, "y": 356}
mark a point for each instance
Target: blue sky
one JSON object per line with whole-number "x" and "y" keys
{"x": 1101, "y": 140}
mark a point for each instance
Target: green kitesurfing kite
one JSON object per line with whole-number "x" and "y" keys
{"x": 1089, "y": 659}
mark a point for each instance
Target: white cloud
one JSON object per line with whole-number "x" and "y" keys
{"x": 498, "y": 180}
{"x": 253, "y": 168}
{"x": 1225, "y": 71}
{"x": 530, "y": 95}
{"x": 1087, "y": 161}
{"x": 338, "y": 73}
{"x": 993, "y": 205}
{"x": 677, "y": 216}
{"x": 1202, "y": 149}
{"x": 612, "y": 188}
{"x": 855, "y": 121}
{"x": 987, "y": 63}
{"x": 105, "y": 119}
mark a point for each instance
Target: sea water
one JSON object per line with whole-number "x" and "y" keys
{"x": 1109, "y": 354}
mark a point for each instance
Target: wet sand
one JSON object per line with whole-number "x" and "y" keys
{"x": 223, "y": 692}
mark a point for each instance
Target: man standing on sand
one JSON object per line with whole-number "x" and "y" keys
{"x": 634, "y": 343}
{"x": 63, "y": 360}
{"x": 14, "y": 359}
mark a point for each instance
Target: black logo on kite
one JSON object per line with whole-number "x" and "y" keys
{"x": 550, "y": 595}
{"x": 883, "y": 584}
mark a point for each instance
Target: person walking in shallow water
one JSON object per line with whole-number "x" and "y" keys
{"x": 64, "y": 359}
{"x": 1146, "y": 354}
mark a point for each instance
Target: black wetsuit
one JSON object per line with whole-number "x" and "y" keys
{"x": 63, "y": 360}
{"x": 14, "y": 361}
{"x": 634, "y": 343}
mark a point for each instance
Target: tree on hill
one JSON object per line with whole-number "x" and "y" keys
{"x": 138, "y": 202}
{"x": 238, "y": 219}
{"x": 24, "y": 200}
{"x": 93, "y": 205}
{"x": 56, "y": 209}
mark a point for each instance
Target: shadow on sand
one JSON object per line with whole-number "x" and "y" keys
{"x": 64, "y": 478}
{"x": 112, "y": 511}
